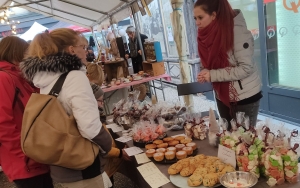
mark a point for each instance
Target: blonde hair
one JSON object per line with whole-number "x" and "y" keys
{"x": 45, "y": 44}
{"x": 95, "y": 73}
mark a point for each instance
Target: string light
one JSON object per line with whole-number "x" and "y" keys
{"x": 5, "y": 20}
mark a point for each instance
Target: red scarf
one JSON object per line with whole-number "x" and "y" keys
{"x": 214, "y": 57}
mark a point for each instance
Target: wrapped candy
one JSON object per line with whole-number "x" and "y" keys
{"x": 273, "y": 167}
{"x": 271, "y": 160}
{"x": 290, "y": 160}
{"x": 225, "y": 137}
{"x": 247, "y": 154}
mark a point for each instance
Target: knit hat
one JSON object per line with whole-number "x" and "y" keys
{"x": 98, "y": 92}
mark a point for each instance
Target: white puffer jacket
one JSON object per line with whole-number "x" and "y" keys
{"x": 243, "y": 72}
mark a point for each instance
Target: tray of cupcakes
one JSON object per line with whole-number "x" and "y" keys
{"x": 171, "y": 149}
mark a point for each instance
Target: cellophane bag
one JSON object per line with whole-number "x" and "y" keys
{"x": 271, "y": 160}
{"x": 247, "y": 153}
{"x": 290, "y": 157}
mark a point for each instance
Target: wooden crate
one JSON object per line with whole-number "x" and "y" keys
{"x": 111, "y": 69}
{"x": 154, "y": 69}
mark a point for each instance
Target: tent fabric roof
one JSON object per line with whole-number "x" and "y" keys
{"x": 87, "y": 13}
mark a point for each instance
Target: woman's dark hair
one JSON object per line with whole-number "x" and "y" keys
{"x": 12, "y": 49}
{"x": 224, "y": 16}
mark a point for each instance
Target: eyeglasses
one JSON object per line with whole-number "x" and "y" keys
{"x": 85, "y": 47}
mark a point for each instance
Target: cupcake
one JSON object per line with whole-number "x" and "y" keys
{"x": 157, "y": 142}
{"x": 150, "y": 146}
{"x": 158, "y": 156}
{"x": 170, "y": 155}
{"x": 186, "y": 140}
{"x": 168, "y": 139}
{"x": 188, "y": 150}
{"x": 163, "y": 145}
{"x": 171, "y": 149}
{"x": 179, "y": 147}
{"x": 179, "y": 138}
{"x": 181, "y": 155}
{"x": 173, "y": 143}
{"x": 161, "y": 150}
{"x": 192, "y": 144}
{"x": 150, "y": 152}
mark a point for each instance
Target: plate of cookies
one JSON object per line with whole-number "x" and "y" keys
{"x": 171, "y": 149}
{"x": 199, "y": 171}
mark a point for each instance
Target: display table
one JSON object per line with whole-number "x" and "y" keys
{"x": 113, "y": 90}
{"x": 203, "y": 148}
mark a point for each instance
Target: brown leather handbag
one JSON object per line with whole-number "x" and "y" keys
{"x": 50, "y": 136}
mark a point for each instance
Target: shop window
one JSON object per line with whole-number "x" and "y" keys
{"x": 153, "y": 26}
{"x": 283, "y": 47}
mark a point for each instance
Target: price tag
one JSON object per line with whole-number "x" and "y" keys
{"x": 227, "y": 155}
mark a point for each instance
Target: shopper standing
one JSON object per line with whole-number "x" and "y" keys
{"x": 49, "y": 56}
{"x": 15, "y": 92}
{"x": 226, "y": 50}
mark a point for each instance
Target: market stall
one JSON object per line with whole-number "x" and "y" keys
{"x": 161, "y": 136}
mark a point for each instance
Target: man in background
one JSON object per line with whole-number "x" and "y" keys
{"x": 135, "y": 50}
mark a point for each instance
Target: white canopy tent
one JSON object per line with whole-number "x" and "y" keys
{"x": 87, "y": 13}
{"x": 32, "y": 31}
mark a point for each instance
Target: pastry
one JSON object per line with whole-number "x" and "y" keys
{"x": 179, "y": 138}
{"x": 150, "y": 152}
{"x": 195, "y": 180}
{"x": 163, "y": 145}
{"x": 168, "y": 139}
{"x": 157, "y": 142}
{"x": 179, "y": 147}
{"x": 186, "y": 140}
{"x": 160, "y": 150}
{"x": 170, "y": 155}
{"x": 181, "y": 155}
{"x": 175, "y": 169}
{"x": 171, "y": 149}
{"x": 188, "y": 150}
{"x": 158, "y": 156}
{"x": 173, "y": 143}
{"x": 187, "y": 171}
{"x": 150, "y": 146}
{"x": 192, "y": 144}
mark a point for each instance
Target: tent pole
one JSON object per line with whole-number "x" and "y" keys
{"x": 178, "y": 23}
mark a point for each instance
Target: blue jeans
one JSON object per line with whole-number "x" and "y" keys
{"x": 250, "y": 110}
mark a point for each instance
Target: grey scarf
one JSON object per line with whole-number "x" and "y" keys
{"x": 133, "y": 44}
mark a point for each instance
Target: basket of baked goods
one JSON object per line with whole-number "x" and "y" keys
{"x": 198, "y": 171}
{"x": 171, "y": 149}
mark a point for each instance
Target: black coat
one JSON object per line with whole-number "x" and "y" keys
{"x": 143, "y": 38}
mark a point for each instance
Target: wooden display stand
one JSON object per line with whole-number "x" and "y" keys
{"x": 154, "y": 69}
{"x": 116, "y": 69}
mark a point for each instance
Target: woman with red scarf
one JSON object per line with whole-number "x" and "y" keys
{"x": 226, "y": 50}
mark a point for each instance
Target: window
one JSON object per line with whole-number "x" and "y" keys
{"x": 283, "y": 47}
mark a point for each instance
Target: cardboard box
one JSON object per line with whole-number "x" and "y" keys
{"x": 154, "y": 69}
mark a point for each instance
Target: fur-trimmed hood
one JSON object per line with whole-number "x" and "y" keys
{"x": 59, "y": 63}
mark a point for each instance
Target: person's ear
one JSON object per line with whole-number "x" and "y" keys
{"x": 70, "y": 50}
{"x": 214, "y": 15}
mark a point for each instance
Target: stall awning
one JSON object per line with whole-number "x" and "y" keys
{"x": 87, "y": 13}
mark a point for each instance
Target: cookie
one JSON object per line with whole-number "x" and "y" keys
{"x": 195, "y": 180}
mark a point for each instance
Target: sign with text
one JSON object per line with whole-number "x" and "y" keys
{"x": 227, "y": 155}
